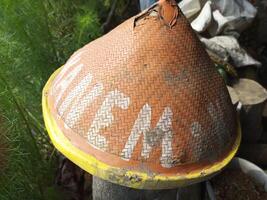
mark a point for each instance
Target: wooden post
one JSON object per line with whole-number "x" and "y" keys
{"x": 103, "y": 190}
{"x": 252, "y": 96}
{"x": 251, "y": 119}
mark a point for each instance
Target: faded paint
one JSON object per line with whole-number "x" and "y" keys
{"x": 104, "y": 118}
{"x": 61, "y": 87}
{"x": 81, "y": 104}
{"x": 218, "y": 122}
{"x": 202, "y": 144}
{"x": 142, "y": 125}
{"x": 165, "y": 124}
{"x": 196, "y": 129}
{"x": 162, "y": 132}
{"x": 76, "y": 94}
{"x": 71, "y": 62}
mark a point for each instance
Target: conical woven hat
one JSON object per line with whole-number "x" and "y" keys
{"x": 143, "y": 106}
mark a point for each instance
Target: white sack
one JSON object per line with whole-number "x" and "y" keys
{"x": 202, "y": 22}
{"x": 228, "y": 46}
{"x": 190, "y": 7}
{"x": 227, "y": 16}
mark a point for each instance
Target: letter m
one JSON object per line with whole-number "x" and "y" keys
{"x": 161, "y": 134}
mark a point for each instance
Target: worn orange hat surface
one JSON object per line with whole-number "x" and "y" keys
{"x": 143, "y": 106}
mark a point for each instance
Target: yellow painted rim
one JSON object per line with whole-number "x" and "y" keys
{"x": 129, "y": 178}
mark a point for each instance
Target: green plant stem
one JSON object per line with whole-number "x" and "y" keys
{"x": 35, "y": 120}
{"x": 22, "y": 114}
{"x": 52, "y": 155}
{"x": 45, "y": 15}
{"x": 37, "y": 125}
{"x": 37, "y": 182}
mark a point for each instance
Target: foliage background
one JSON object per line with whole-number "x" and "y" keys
{"x": 37, "y": 37}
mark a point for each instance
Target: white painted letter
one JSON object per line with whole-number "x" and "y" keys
{"x": 104, "y": 118}
{"x": 78, "y": 108}
{"x": 162, "y": 132}
{"x": 61, "y": 87}
{"x": 71, "y": 62}
{"x": 76, "y": 94}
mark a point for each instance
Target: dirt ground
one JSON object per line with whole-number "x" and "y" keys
{"x": 235, "y": 185}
